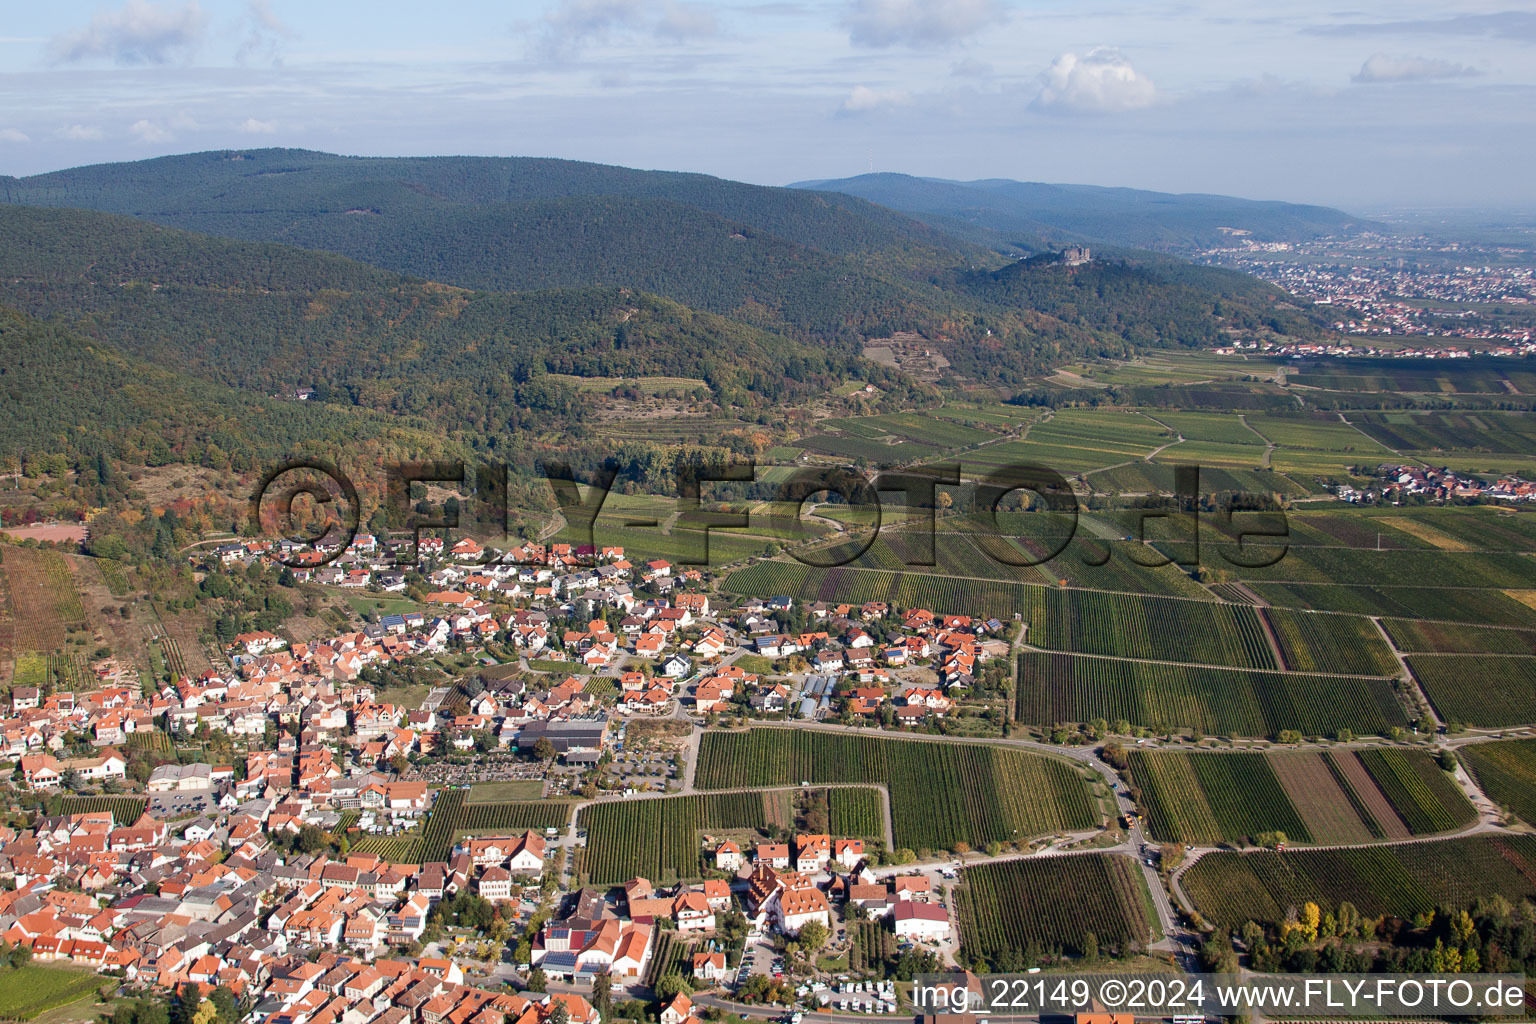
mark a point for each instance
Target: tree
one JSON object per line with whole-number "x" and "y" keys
{"x": 543, "y": 750}
{"x": 813, "y": 935}
{"x": 602, "y": 995}
{"x": 537, "y": 981}
{"x": 670, "y": 986}
{"x": 225, "y": 1003}
{"x": 559, "y": 1013}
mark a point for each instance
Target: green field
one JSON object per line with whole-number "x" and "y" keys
{"x": 501, "y": 792}
{"x": 1012, "y": 908}
{"x": 1506, "y": 772}
{"x": 658, "y": 838}
{"x": 855, "y": 812}
{"x": 1458, "y": 638}
{"x": 1337, "y": 796}
{"x": 1488, "y": 691}
{"x": 125, "y": 810}
{"x": 1344, "y": 644}
{"x": 1060, "y": 688}
{"x": 941, "y": 793}
{"x": 1401, "y": 879}
{"x": 30, "y": 991}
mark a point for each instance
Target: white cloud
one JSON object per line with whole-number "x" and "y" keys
{"x": 918, "y": 23}
{"x": 149, "y": 131}
{"x": 139, "y": 32}
{"x": 683, "y": 22}
{"x": 1101, "y": 81}
{"x": 251, "y": 126}
{"x": 863, "y": 99}
{"x": 81, "y": 133}
{"x": 12, "y": 135}
{"x": 1383, "y": 67}
{"x": 265, "y": 33}
{"x": 571, "y": 23}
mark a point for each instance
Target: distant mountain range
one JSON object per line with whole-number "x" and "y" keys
{"x": 1027, "y": 213}
{"x": 449, "y": 296}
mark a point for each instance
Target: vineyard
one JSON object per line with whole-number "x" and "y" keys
{"x": 1161, "y": 629}
{"x": 1057, "y": 688}
{"x": 658, "y": 838}
{"x": 1012, "y": 911}
{"x": 44, "y": 600}
{"x": 1400, "y": 880}
{"x": 941, "y": 793}
{"x": 115, "y": 574}
{"x": 1345, "y": 644}
{"x": 1336, "y": 796}
{"x": 671, "y": 957}
{"x": 855, "y": 812}
{"x": 1506, "y": 772}
{"x": 1490, "y": 607}
{"x": 125, "y": 810}
{"x": 438, "y": 835}
{"x": 452, "y": 818}
{"x": 1488, "y": 691}
{"x": 1417, "y": 636}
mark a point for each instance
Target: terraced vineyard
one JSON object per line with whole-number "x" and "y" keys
{"x": 1317, "y": 796}
{"x": 1401, "y": 879}
{"x": 1009, "y": 907}
{"x": 1345, "y": 644}
{"x": 1506, "y": 772}
{"x": 659, "y": 838}
{"x": 1057, "y": 688}
{"x": 1485, "y": 690}
{"x": 941, "y": 793}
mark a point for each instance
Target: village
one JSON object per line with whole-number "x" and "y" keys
{"x": 253, "y": 876}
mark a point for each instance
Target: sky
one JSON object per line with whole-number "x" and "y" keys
{"x": 1367, "y": 106}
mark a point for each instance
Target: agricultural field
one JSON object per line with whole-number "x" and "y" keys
{"x": 1058, "y": 688}
{"x": 510, "y": 818}
{"x": 1450, "y": 604}
{"x": 1487, "y": 691}
{"x": 44, "y": 599}
{"x": 1506, "y": 772}
{"x": 504, "y": 792}
{"x": 659, "y": 838}
{"x": 1401, "y": 879}
{"x": 855, "y": 812}
{"x": 1420, "y": 637}
{"x": 1401, "y": 568}
{"x": 33, "y": 990}
{"x": 1326, "y": 797}
{"x": 941, "y": 793}
{"x": 1155, "y": 628}
{"x": 125, "y": 810}
{"x": 1011, "y": 909}
{"x": 1343, "y": 644}
{"x": 944, "y": 594}
{"x": 1445, "y": 431}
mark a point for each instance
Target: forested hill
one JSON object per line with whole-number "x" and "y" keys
{"x": 273, "y": 318}
{"x": 66, "y": 395}
{"x": 829, "y": 267}
{"x": 1027, "y": 211}
{"x": 775, "y": 266}
{"x": 270, "y": 188}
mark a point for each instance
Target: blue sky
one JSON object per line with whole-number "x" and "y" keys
{"x": 1365, "y": 106}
